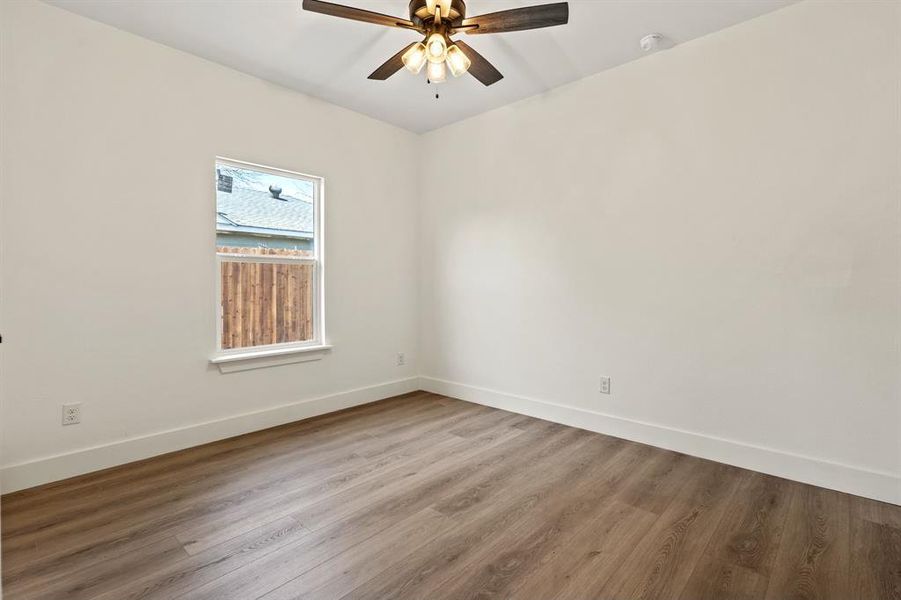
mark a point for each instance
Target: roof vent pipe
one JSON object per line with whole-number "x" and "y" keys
{"x": 275, "y": 191}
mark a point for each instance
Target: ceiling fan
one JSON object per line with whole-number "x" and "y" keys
{"x": 438, "y": 20}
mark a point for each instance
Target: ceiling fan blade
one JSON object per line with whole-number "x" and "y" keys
{"x": 519, "y": 19}
{"x": 480, "y": 68}
{"x": 357, "y": 14}
{"x": 392, "y": 65}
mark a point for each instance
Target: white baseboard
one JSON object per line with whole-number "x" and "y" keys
{"x": 878, "y": 485}
{"x": 860, "y": 481}
{"x": 54, "y": 468}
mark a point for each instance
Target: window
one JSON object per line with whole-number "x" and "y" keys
{"x": 269, "y": 255}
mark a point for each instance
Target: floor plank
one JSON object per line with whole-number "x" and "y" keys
{"x": 179, "y": 493}
{"x": 183, "y": 576}
{"x": 549, "y": 528}
{"x": 481, "y": 522}
{"x": 354, "y": 515}
{"x": 750, "y": 534}
{"x": 589, "y": 558}
{"x": 662, "y": 563}
{"x": 423, "y": 496}
{"x": 360, "y": 563}
{"x": 717, "y": 579}
{"x": 814, "y": 556}
{"x": 875, "y": 551}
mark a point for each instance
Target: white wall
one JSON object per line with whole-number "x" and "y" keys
{"x": 716, "y": 227}
{"x": 107, "y": 245}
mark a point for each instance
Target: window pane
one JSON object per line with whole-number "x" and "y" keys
{"x": 257, "y": 209}
{"x": 265, "y": 212}
{"x": 264, "y": 303}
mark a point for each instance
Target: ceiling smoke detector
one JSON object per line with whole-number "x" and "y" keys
{"x": 652, "y": 42}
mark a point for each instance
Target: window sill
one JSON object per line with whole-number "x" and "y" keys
{"x": 259, "y": 359}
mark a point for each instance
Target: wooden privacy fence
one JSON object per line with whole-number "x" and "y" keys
{"x": 265, "y": 303}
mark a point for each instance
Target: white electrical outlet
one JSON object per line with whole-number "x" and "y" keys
{"x": 401, "y": 359}
{"x": 605, "y": 384}
{"x": 71, "y": 414}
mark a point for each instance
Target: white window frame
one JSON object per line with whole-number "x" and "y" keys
{"x": 273, "y": 354}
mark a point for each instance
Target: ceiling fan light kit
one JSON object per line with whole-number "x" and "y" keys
{"x": 437, "y": 72}
{"x": 437, "y": 21}
{"x": 437, "y": 48}
{"x": 457, "y": 61}
{"x": 415, "y": 58}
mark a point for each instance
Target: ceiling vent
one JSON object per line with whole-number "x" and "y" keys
{"x": 654, "y": 42}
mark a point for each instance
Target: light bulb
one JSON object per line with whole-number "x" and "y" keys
{"x": 458, "y": 62}
{"x": 437, "y": 48}
{"x": 437, "y": 72}
{"x": 415, "y": 58}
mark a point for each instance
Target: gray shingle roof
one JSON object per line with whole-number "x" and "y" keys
{"x": 245, "y": 210}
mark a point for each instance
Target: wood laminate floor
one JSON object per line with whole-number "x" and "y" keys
{"x": 426, "y": 497}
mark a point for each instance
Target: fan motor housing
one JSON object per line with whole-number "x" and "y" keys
{"x": 419, "y": 12}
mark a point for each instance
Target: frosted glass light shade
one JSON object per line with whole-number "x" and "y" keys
{"x": 437, "y": 72}
{"x": 458, "y": 62}
{"x": 415, "y": 58}
{"x": 436, "y": 48}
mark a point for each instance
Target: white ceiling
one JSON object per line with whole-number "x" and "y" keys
{"x": 330, "y": 58}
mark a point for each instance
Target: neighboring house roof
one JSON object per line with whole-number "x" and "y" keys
{"x": 253, "y": 211}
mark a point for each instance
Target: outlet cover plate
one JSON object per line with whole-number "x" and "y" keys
{"x": 71, "y": 414}
{"x": 605, "y": 384}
